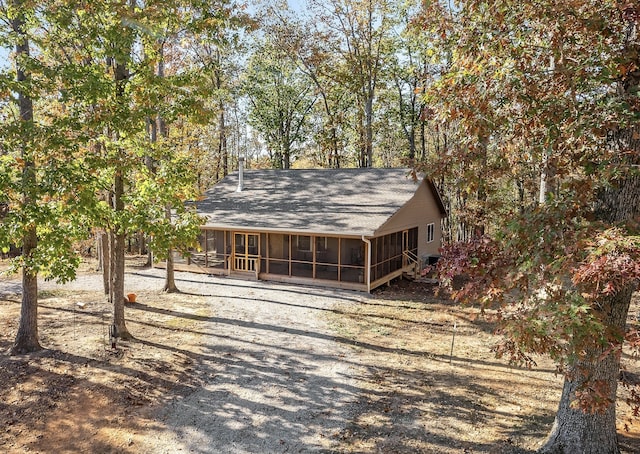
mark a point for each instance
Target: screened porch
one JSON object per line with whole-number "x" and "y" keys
{"x": 301, "y": 258}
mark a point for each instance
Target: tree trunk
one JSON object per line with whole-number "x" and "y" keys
{"x": 170, "y": 278}
{"x": 577, "y": 431}
{"x": 573, "y": 429}
{"x": 141, "y": 243}
{"x": 286, "y": 155}
{"x": 27, "y": 336}
{"x": 170, "y": 282}
{"x": 105, "y": 260}
{"x": 116, "y": 296}
{"x": 334, "y": 159}
{"x": 223, "y": 151}
{"x": 369, "y": 131}
{"x": 118, "y": 240}
{"x": 118, "y": 235}
{"x": 152, "y": 130}
{"x": 362, "y": 145}
{"x": 98, "y": 252}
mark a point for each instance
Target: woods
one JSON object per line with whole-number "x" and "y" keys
{"x": 116, "y": 116}
{"x": 550, "y": 108}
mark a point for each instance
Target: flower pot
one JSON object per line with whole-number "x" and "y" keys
{"x": 131, "y": 297}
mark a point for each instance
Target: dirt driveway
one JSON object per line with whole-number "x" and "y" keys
{"x": 255, "y": 366}
{"x": 233, "y": 366}
{"x": 273, "y": 378}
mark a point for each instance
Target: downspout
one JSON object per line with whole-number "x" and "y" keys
{"x": 368, "y": 243}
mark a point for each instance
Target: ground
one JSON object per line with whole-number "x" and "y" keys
{"x": 400, "y": 371}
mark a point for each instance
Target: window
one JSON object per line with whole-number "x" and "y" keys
{"x": 430, "y": 232}
{"x": 303, "y": 243}
{"x": 321, "y": 243}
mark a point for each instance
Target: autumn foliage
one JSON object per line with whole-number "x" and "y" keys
{"x": 544, "y": 100}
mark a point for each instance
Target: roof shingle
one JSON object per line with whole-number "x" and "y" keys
{"x": 338, "y": 201}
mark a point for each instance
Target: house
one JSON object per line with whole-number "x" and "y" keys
{"x": 348, "y": 228}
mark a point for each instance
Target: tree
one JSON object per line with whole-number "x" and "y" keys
{"x": 310, "y": 48}
{"x": 169, "y": 179}
{"x": 155, "y": 44}
{"x": 363, "y": 27}
{"x": 280, "y": 100}
{"x": 96, "y": 92}
{"x": 42, "y": 175}
{"x": 411, "y": 69}
{"x": 136, "y": 82}
{"x": 27, "y": 336}
{"x": 115, "y": 90}
{"x": 214, "y": 52}
{"x": 546, "y": 95}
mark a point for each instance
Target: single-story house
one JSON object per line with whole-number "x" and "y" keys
{"x": 346, "y": 228}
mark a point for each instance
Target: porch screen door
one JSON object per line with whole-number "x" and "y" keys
{"x": 245, "y": 249}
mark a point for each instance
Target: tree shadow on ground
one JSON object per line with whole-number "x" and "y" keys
{"x": 228, "y": 376}
{"x": 47, "y": 406}
{"x": 270, "y": 389}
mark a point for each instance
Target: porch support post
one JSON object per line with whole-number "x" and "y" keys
{"x": 339, "y": 259}
{"x": 206, "y": 248}
{"x": 368, "y": 263}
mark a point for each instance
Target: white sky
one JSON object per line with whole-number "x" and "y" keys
{"x": 4, "y": 58}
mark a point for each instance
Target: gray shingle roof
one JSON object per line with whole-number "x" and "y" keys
{"x": 339, "y": 201}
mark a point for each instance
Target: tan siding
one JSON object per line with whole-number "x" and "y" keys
{"x": 420, "y": 210}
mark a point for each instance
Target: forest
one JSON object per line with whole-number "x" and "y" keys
{"x": 115, "y": 115}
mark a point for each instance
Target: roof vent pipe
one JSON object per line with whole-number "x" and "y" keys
{"x": 240, "y": 174}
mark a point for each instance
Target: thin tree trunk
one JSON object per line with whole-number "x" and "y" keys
{"x": 98, "y": 252}
{"x": 170, "y": 282}
{"x": 362, "y": 158}
{"x": 369, "y": 130}
{"x": 545, "y": 176}
{"x": 152, "y": 127}
{"x": 105, "y": 258}
{"x": 334, "y": 160}
{"x": 286, "y": 155}
{"x": 118, "y": 235}
{"x": 118, "y": 240}
{"x": 27, "y": 337}
{"x": 141, "y": 243}
{"x": 223, "y": 150}
{"x": 170, "y": 278}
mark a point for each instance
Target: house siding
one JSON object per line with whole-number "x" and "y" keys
{"x": 421, "y": 210}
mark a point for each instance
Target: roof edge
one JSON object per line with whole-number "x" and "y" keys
{"x": 240, "y": 228}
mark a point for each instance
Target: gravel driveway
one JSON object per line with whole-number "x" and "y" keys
{"x": 275, "y": 378}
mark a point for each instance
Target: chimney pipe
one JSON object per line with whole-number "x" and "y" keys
{"x": 240, "y": 174}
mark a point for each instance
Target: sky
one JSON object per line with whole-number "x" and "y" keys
{"x": 4, "y": 58}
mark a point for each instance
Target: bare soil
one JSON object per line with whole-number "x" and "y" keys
{"x": 238, "y": 366}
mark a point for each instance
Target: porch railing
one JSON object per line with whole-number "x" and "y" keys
{"x": 411, "y": 260}
{"x": 250, "y": 264}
